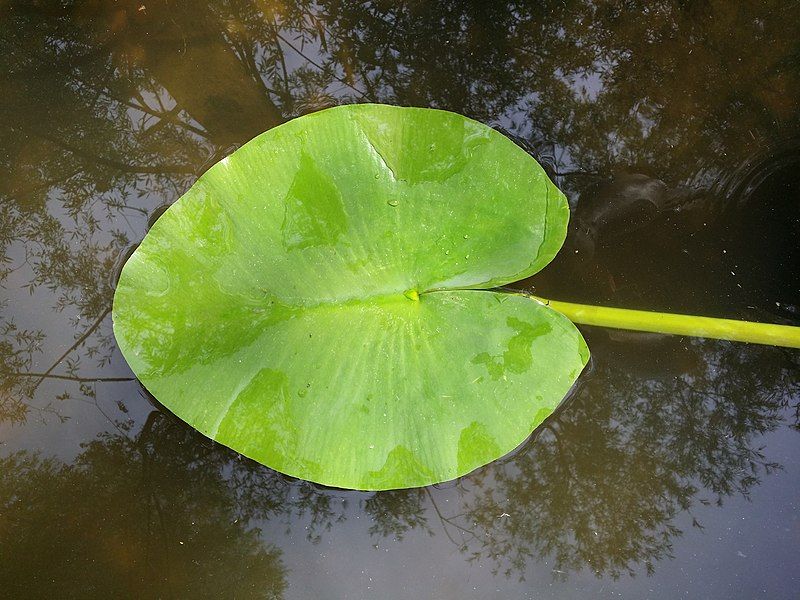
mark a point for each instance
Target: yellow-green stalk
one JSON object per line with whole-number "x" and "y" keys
{"x": 655, "y": 322}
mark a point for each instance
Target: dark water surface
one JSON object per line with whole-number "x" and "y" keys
{"x": 672, "y": 468}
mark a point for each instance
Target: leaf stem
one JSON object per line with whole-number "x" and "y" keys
{"x": 655, "y": 322}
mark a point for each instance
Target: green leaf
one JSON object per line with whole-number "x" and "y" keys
{"x": 314, "y": 301}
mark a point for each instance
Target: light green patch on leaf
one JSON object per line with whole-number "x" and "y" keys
{"x": 315, "y": 301}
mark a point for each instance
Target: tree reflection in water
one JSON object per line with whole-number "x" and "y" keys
{"x": 598, "y": 487}
{"x": 118, "y": 106}
{"x": 642, "y": 440}
{"x": 145, "y": 516}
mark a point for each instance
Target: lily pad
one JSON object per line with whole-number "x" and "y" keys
{"x": 316, "y": 301}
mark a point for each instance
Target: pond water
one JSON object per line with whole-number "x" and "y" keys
{"x": 670, "y": 470}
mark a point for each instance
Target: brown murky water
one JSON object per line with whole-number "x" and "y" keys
{"x": 671, "y": 470}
